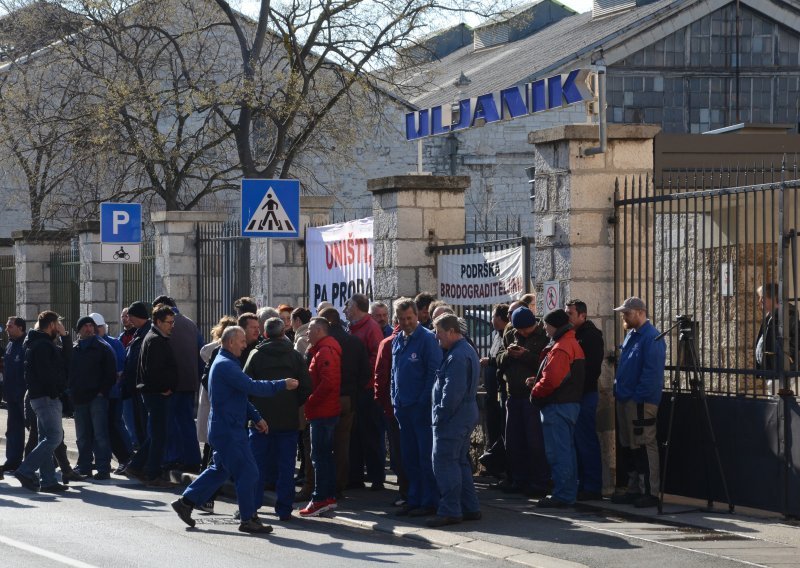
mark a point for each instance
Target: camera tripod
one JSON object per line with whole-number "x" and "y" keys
{"x": 688, "y": 363}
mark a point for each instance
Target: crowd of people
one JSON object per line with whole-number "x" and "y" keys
{"x": 279, "y": 385}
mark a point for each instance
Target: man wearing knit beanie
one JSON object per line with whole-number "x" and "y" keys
{"x": 557, "y": 389}
{"x": 518, "y": 360}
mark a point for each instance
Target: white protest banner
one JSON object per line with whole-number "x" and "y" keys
{"x": 481, "y": 278}
{"x": 339, "y": 262}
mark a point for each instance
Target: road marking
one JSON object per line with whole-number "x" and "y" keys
{"x": 46, "y": 553}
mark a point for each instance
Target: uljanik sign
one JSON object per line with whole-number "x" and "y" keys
{"x": 521, "y": 100}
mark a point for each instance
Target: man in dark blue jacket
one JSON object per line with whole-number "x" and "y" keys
{"x": 133, "y": 408}
{"x": 416, "y": 356}
{"x": 92, "y": 373}
{"x": 46, "y": 366}
{"x": 229, "y": 389}
{"x": 454, "y": 415}
{"x": 14, "y": 392}
{"x": 637, "y": 388}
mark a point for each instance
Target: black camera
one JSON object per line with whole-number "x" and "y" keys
{"x": 686, "y": 323}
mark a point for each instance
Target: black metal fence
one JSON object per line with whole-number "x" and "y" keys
{"x": 65, "y": 282}
{"x": 705, "y": 254}
{"x": 701, "y": 244}
{"x": 223, "y": 271}
{"x": 8, "y": 287}
{"x": 139, "y": 281}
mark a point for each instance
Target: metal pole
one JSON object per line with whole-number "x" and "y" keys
{"x": 269, "y": 272}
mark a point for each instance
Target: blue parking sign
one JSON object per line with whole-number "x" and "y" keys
{"x": 121, "y": 222}
{"x": 270, "y": 208}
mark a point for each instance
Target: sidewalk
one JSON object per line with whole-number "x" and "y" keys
{"x": 510, "y": 524}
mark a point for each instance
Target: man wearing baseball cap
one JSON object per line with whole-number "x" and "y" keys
{"x": 637, "y": 388}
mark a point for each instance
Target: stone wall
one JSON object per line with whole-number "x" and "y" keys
{"x": 99, "y": 289}
{"x": 412, "y": 213}
{"x": 575, "y": 197}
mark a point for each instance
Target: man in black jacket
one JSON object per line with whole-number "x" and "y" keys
{"x": 157, "y": 377}
{"x": 767, "y": 347}
{"x": 46, "y": 378}
{"x": 139, "y": 317}
{"x": 275, "y": 452}
{"x": 587, "y": 445}
{"x": 92, "y": 373}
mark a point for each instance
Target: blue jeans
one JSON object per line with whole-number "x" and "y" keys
{"x": 129, "y": 418}
{"x": 276, "y": 449}
{"x": 151, "y": 453}
{"x": 525, "y": 447}
{"x": 231, "y": 460}
{"x": 558, "y": 426}
{"x": 15, "y": 433}
{"x": 51, "y": 434}
{"x": 416, "y": 446}
{"x": 322, "y": 457}
{"x": 91, "y": 428}
{"x": 587, "y": 446}
{"x": 182, "y": 444}
{"x": 453, "y": 470}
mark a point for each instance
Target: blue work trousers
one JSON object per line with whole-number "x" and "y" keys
{"x": 322, "y": 458}
{"x": 416, "y": 446}
{"x": 275, "y": 451}
{"x": 525, "y": 445}
{"x": 558, "y": 426}
{"x": 15, "y": 433}
{"x": 234, "y": 459}
{"x": 453, "y": 471}
{"x": 587, "y": 446}
{"x": 51, "y": 434}
{"x": 91, "y": 429}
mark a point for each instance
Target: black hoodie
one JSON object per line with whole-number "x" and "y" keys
{"x": 591, "y": 341}
{"x": 46, "y": 365}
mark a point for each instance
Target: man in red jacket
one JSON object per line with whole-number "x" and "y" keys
{"x": 557, "y": 391}
{"x": 322, "y": 412}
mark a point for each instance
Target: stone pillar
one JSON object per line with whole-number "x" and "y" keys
{"x": 411, "y": 213}
{"x": 176, "y": 254}
{"x": 99, "y": 290}
{"x": 32, "y": 266}
{"x": 573, "y": 210}
{"x": 287, "y": 267}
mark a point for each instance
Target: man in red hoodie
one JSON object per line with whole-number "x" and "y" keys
{"x": 557, "y": 391}
{"x": 366, "y": 441}
{"x": 322, "y": 412}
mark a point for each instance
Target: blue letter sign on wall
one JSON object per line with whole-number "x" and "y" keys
{"x": 540, "y": 95}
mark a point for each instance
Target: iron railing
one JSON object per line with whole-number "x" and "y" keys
{"x": 705, "y": 253}
{"x": 223, "y": 271}
{"x": 139, "y": 281}
{"x": 65, "y": 271}
{"x": 8, "y": 287}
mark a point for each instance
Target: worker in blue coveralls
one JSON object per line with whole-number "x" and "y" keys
{"x": 415, "y": 358}
{"x": 454, "y": 415}
{"x": 228, "y": 389}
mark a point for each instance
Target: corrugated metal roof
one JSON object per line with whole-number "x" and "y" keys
{"x": 546, "y": 52}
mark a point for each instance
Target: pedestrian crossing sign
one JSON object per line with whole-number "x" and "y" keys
{"x": 270, "y": 208}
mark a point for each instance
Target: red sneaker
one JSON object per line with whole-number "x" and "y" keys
{"x": 314, "y": 508}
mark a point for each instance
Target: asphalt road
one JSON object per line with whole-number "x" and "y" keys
{"x": 120, "y": 523}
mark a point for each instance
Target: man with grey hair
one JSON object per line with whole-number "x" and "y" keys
{"x": 229, "y": 388}
{"x": 454, "y": 416}
{"x": 263, "y": 315}
{"x": 275, "y": 452}
{"x": 380, "y": 313}
{"x": 637, "y": 388}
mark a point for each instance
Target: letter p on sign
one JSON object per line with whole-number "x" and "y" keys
{"x": 120, "y": 222}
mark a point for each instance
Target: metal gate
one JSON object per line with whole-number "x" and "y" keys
{"x": 8, "y": 286}
{"x": 223, "y": 271}
{"x": 139, "y": 281}
{"x": 479, "y": 316}
{"x": 702, "y": 244}
{"x": 65, "y": 282}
